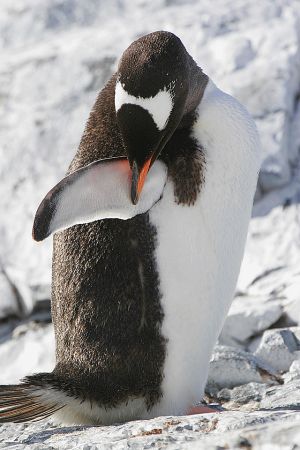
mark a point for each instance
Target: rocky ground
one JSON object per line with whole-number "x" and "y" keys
{"x": 228, "y": 430}
{"x": 55, "y": 55}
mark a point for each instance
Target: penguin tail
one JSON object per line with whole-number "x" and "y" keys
{"x": 35, "y": 398}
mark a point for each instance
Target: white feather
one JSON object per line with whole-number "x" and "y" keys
{"x": 159, "y": 106}
{"x": 200, "y": 247}
{"x": 77, "y": 412}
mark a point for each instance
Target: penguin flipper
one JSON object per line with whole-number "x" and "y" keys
{"x": 98, "y": 191}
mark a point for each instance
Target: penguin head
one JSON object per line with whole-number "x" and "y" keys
{"x": 150, "y": 96}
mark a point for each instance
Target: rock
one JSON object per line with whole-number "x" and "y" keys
{"x": 283, "y": 397}
{"x": 233, "y": 53}
{"x": 22, "y": 291}
{"x": 253, "y": 344}
{"x": 271, "y": 99}
{"x": 41, "y": 293}
{"x": 255, "y": 396}
{"x": 241, "y": 395}
{"x": 16, "y": 298}
{"x": 30, "y": 350}
{"x": 6, "y": 329}
{"x": 273, "y": 130}
{"x": 294, "y": 372}
{"x": 279, "y": 348}
{"x": 8, "y": 299}
{"x": 247, "y": 317}
{"x": 230, "y": 367}
{"x": 270, "y": 268}
{"x": 295, "y": 134}
{"x": 292, "y": 306}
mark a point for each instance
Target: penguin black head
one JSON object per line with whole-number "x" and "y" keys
{"x": 157, "y": 85}
{"x": 150, "y": 97}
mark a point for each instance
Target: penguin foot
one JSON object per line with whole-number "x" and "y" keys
{"x": 201, "y": 409}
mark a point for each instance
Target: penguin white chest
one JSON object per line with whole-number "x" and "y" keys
{"x": 200, "y": 247}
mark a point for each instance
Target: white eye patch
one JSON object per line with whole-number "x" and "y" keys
{"x": 159, "y": 106}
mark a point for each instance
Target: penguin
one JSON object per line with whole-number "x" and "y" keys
{"x": 149, "y": 228}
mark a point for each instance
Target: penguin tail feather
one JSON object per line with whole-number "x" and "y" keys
{"x": 28, "y": 401}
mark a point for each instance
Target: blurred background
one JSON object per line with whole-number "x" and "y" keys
{"x": 55, "y": 57}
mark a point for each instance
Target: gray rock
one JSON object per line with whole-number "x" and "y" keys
{"x": 254, "y": 344}
{"x": 271, "y": 99}
{"x": 247, "y": 317}
{"x": 286, "y": 396}
{"x": 8, "y": 300}
{"x": 295, "y": 369}
{"x": 274, "y": 128}
{"x": 254, "y": 396}
{"x": 15, "y": 296}
{"x": 279, "y": 348}
{"x": 230, "y": 367}
{"x": 241, "y": 395}
{"x": 270, "y": 269}
{"x": 238, "y": 50}
{"x": 30, "y": 350}
{"x": 22, "y": 291}
{"x": 292, "y": 306}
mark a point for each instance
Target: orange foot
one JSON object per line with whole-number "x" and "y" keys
{"x": 200, "y": 410}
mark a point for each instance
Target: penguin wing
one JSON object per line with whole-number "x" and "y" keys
{"x": 98, "y": 191}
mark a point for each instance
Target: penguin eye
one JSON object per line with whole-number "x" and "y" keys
{"x": 159, "y": 106}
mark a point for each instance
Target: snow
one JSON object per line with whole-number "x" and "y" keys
{"x": 55, "y": 56}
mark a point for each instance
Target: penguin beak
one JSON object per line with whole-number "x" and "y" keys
{"x": 138, "y": 179}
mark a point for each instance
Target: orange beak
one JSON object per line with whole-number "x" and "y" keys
{"x": 138, "y": 179}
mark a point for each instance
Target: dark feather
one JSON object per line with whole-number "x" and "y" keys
{"x": 20, "y": 403}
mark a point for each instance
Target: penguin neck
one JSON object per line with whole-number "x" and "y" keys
{"x": 197, "y": 84}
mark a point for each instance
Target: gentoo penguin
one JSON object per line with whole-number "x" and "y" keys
{"x": 153, "y": 217}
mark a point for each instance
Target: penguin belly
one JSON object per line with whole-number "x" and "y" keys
{"x": 200, "y": 247}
